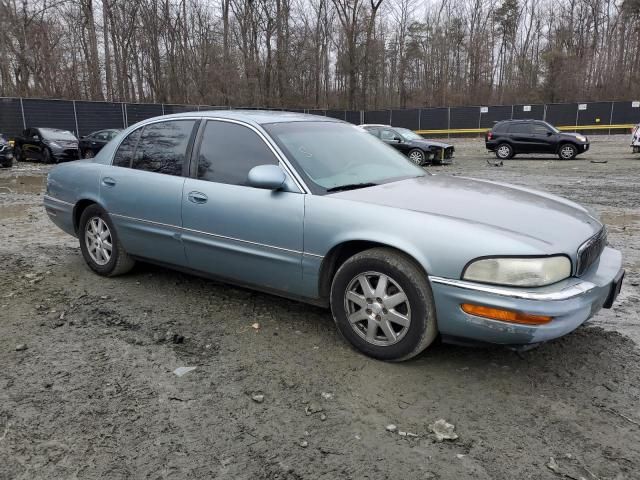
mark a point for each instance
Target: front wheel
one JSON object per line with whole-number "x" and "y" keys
{"x": 567, "y": 151}
{"x": 383, "y": 305}
{"x": 417, "y": 156}
{"x": 46, "y": 156}
{"x": 504, "y": 151}
{"x": 17, "y": 152}
{"x": 99, "y": 243}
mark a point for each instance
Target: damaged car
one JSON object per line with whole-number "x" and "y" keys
{"x": 419, "y": 150}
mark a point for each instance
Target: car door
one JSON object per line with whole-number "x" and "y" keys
{"x": 234, "y": 231}
{"x": 98, "y": 141}
{"x": 31, "y": 146}
{"x": 142, "y": 189}
{"x": 544, "y": 139}
{"x": 521, "y": 137}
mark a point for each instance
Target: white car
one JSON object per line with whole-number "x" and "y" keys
{"x": 635, "y": 139}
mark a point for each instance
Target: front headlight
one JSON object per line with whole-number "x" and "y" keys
{"x": 54, "y": 144}
{"x": 519, "y": 272}
{"x": 582, "y": 138}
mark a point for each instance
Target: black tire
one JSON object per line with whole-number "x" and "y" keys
{"x": 567, "y": 151}
{"x": 504, "y": 151}
{"x": 17, "y": 152}
{"x": 119, "y": 262}
{"x": 46, "y": 156}
{"x": 403, "y": 271}
{"x": 417, "y": 157}
{"x": 88, "y": 154}
{"x": 7, "y": 164}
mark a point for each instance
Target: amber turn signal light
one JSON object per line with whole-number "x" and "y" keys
{"x": 504, "y": 315}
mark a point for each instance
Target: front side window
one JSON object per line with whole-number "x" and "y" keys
{"x": 101, "y": 136}
{"x": 332, "y": 155}
{"x": 540, "y": 129}
{"x": 228, "y": 151}
{"x": 388, "y": 135}
{"x": 124, "y": 155}
{"x": 409, "y": 134}
{"x": 163, "y": 147}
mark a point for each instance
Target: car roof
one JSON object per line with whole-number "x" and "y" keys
{"x": 259, "y": 117}
{"x": 365, "y": 125}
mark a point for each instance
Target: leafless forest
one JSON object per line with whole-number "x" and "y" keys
{"x": 354, "y": 54}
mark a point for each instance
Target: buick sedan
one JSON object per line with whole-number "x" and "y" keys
{"x": 315, "y": 209}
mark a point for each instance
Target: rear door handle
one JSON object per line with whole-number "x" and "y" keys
{"x": 108, "y": 182}
{"x": 197, "y": 197}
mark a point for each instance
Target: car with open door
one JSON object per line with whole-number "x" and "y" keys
{"x": 418, "y": 149}
{"x": 91, "y": 144}
{"x": 315, "y": 209}
{"x": 6, "y": 152}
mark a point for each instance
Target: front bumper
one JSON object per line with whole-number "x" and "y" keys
{"x": 570, "y": 302}
{"x": 68, "y": 154}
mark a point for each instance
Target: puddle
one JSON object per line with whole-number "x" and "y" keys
{"x": 22, "y": 184}
{"x": 620, "y": 219}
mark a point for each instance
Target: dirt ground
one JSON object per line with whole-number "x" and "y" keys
{"x": 93, "y": 393}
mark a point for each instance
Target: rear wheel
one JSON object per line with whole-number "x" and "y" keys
{"x": 504, "y": 151}
{"x": 17, "y": 152}
{"x": 417, "y": 156}
{"x": 383, "y": 305}
{"x": 567, "y": 151}
{"x": 99, "y": 243}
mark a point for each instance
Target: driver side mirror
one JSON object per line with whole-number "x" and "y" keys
{"x": 549, "y": 133}
{"x": 36, "y": 138}
{"x": 269, "y": 177}
{"x": 397, "y": 139}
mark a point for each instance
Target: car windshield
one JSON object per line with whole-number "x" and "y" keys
{"x": 337, "y": 155}
{"x": 55, "y": 134}
{"x": 551, "y": 127}
{"x": 408, "y": 134}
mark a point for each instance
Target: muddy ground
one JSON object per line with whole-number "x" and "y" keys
{"x": 93, "y": 394}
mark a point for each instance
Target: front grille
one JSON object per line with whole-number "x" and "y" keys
{"x": 590, "y": 251}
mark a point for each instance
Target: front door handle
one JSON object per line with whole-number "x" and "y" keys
{"x": 108, "y": 182}
{"x": 197, "y": 197}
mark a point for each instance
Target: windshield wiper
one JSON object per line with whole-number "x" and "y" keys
{"x": 351, "y": 186}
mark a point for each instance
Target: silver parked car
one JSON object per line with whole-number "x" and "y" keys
{"x": 316, "y": 209}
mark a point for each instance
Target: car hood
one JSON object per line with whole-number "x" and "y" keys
{"x": 430, "y": 143}
{"x": 519, "y": 211}
{"x": 573, "y": 136}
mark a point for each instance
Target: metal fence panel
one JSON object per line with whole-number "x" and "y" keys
{"x": 464, "y": 117}
{"x": 595, "y": 113}
{"x": 136, "y": 112}
{"x": 339, "y": 114}
{"x": 562, "y": 114}
{"x": 353, "y": 117}
{"x": 322, "y": 113}
{"x": 11, "y": 123}
{"x": 173, "y": 108}
{"x": 528, "y": 111}
{"x": 494, "y": 114}
{"x": 49, "y": 113}
{"x": 94, "y": 116}
{"x": 409, "y": 118}
{"x": 625, "y": 112}
{"x": 434, "y": 118}
{"x": 378, "y": 116}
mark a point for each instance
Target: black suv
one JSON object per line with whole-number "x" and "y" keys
{"x": 510, "y": 137}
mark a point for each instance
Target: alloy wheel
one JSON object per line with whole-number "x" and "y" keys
{"x": 377, "y": 308}
{"x": 566, "y": 152}
{"x": 503, "y": 151}
{"x": 98, "y": 240}
{"x": 416, "y": 157}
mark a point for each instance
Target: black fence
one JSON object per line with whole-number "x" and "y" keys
{"x": 83, "y": 117}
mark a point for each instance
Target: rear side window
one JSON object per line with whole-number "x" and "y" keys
{"x": 228, "y": 151}
{"x": 500, "y": 127}
{"x": 374, "y": 131}
{"x": 124, "y": 155}
{"x": 520, "y": 128}
{"x": 163, "y": 147}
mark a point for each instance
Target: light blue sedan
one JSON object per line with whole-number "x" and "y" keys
{"x": 318, "y": 210}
